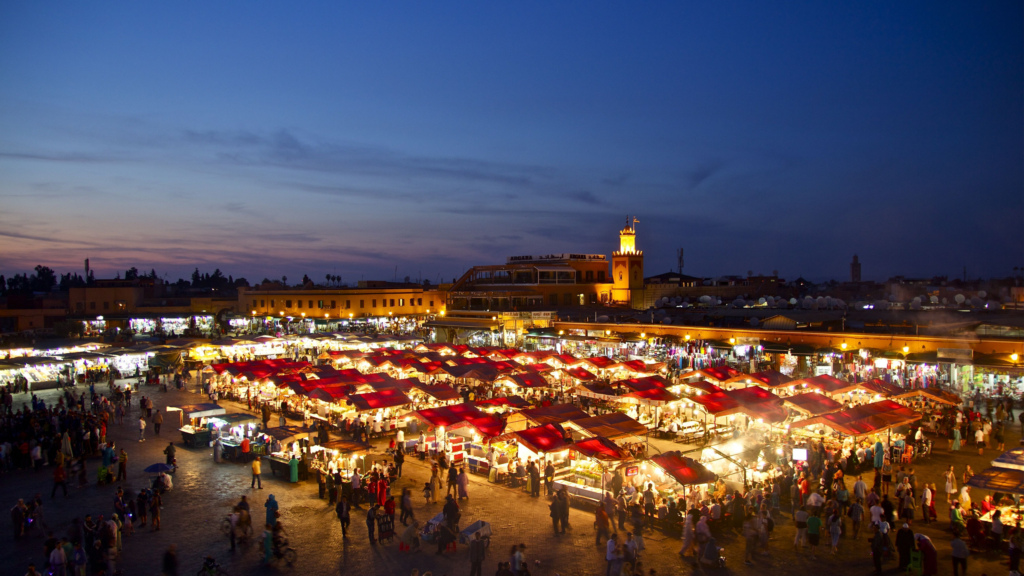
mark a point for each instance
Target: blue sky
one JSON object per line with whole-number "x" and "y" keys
{"x": 353, "y": 138}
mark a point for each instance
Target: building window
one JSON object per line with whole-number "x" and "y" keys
{"x": 80, "y": 306}
{"x": 392, "y": 302}
{"x": 310, "y": 303}
{"x": 299, "y": 302}
{"x": 567, "y": 299}
{"x": 273, "y": 304}
{"x": 419, "y": 301}
{"x": 362, "y": 304}
{"x": 287, "y": 303}
{"x": 593, "y": 298}
{"x": 348, "y": 304}
{"x": 334, "y": 304}
{"x": 319, "y": 303}
{"x": 553, "y": 299}
{"x": 106, "y": 305}
{"x": 374, "y": 302}
{"x": 431, "y": 303}
{"x": 589, "y": 275}
{"x": 263, "y": 303}
{"x": 600, "y": 275}
{"x": 401, "y": 301}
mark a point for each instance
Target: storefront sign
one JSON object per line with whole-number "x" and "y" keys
{"x": 632, "y": 471}
{"x": 823, "y": 369}
{"x": 748, "y": 341}
{"x": 955, "y": 353}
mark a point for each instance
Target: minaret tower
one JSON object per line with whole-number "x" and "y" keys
{"x": 628, "y": 268}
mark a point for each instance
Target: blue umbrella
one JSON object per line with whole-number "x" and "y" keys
{"x": 158, "y": 468}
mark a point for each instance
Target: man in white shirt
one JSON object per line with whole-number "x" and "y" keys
{"x": 979, "y": 439}
{"x": 814, "y": 502}
{"x": 877, "y": 513}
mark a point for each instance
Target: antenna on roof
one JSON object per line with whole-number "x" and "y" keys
{"x": 679, "y": 260}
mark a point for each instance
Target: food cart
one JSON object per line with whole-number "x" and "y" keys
{"x": 232, "y": 429}
{"x": 676, "y": 476}
{"x": 295, "y": 442}
{"x": 194, "y": 421}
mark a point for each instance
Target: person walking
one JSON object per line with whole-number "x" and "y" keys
{"x": 835, "y": 530}
{"x": 800, "y": 520}
{"x": 406, "y": 507}
{"x": 158, "y": 419}
{"x": 371, "y": 518}
{"x": 463, "y": 484}
{"x": 960, "y": 554}
{"x": 272, "y": 510}
{"x": 59, "y": 480}
{"x": 142, "y": 429}
{"x": 170, "y": 561}
{"x": 602, "y": 523}
{"x": 399, "y": 460}
{"x": 122, "y": 465}
{"x": 256, "y": 471}
{"x": 477, "y": 551}
{"x": 904, "y": 545}
{"x": 343, "y": 510}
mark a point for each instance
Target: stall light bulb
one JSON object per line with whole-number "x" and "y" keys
{"x": 1014, "y": 356}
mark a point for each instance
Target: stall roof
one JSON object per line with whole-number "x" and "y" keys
{"x": 346, "y": 446}
{"x": 285, "y": 434}
{"x": 375, "y": 400}
{"x": 704, "y": 386}
{"x": 599, "y": 391}
{"x": 653, "y": 396}
{"x": 441, "y": 392}
{"x": 719, "y": 374}
{"x": 539, "y": 367}
{"x": 579, "y": 373}
{"x": 461, "y": 414}
{"x": 768, "y": 378}
{"x": 236, "y": 418}
{"x": 335, "y": 393}
{"x": 864, "y": 419}
{"x": 879, "y": 386}
{"x": 1010, "y": 459}
{"x": 813, "y": 404}
{"x": 643, "y": 383}
{"x": 526, "y": 380}
{"x": 199, "y": 410}
{"x": 640, "y": 367}
{"x": 825, "y": 383}
{"x": 601, "y": 448}
{"x": 686, "y": 471}
{"x": 513, "y": 401}
{"x": 1006, "y": 480}
{"x": 540, "y": 439}
{"x": 933, "y": 394}
{"x": 599, "y": 362}
{"x": 554, "y": 414}
{"x": 612, "y": 425}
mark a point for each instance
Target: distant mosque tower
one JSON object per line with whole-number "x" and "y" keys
{"x": 628, "y": 268}
{"x": 855, "y": 269}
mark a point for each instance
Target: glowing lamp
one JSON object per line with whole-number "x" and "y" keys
{"x": 1014, "y": 356}
{"x": 843, "y": 345}
{"x": 906, "y": 349}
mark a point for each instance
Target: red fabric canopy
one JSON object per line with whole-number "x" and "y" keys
{"x": 526, "y": 380}
{"x": 513, "y": 401}
{"x": 611, "y": 425}
{"x": 461, "y": 415}
{"x": 540, "y": 439}
{"x": 643, "y": 383}
{"x": 704, "y": 386}
{"x": 375, "y": 400}
{"x": 686, "y": 471}
{"x": 600, "y": 362}
{"x": 329, "y": 393}
{"x": 825, "y": 383}
{"x": 813, "y": 403}
{"x": 539, "y": 367}
{"x": 554, "y": 414}
{"x": 579, "y": 373}
{"x": 601, "y": 448}
{"x": 864, "y": 419}
{"x": 768, "y": 379}
{"x": 440, "y": 392}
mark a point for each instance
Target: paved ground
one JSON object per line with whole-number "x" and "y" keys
{"x": 204, "y": 492}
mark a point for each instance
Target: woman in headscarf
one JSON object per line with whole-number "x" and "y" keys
{"x": 271, "y": 510}
{"x": 930, "y": 563}
{"x": 689, "y": 534}
{"x": 463, "y": 482}
{"x": 965, "y": 497}
{"x": 956, "y": 439}
{"x": 435, "y": 486}
{"x": 956, "y": 519}
{"x": 217, "y": 448}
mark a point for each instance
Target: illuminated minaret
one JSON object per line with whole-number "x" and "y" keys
{"x": 628, "y": 267}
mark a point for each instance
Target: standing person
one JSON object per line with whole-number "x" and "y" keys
{"x": 435, "y": 487}
{"x": 371, "y": 518}
{"x": 154, "y": 510}
{"x": 856, "y": 514}
{"x": 272, "y": 510}
{"x": 477, "y": 550}
{"x": 158, "y": 419}
{"x": 535, "y": 480}
{"x": 122, "y": 465}
{"x": 406, "y": 507}
{"x": 750, "y": 536}
{"x": 142, "y": 429}
{"x": 256, "y": 471}
{"x": 453, "y": 480}
{"x": 800, "y": 520}
{"x": 960, "y": 554}
{"x": 399, "y": 459}
{"x": 979, "y": 439}
{"x": 59, "y": 480}
{"x": 602, "y": 523}
{"x": 814, "y": 532}
{"x": 463, "y": 484}
{"x": 835, "y": 530}
{"x": 170, "y": 562}
{"x": 950, "y": 477}
{"x": 879, "y": 544}
{"x": 904, "y": 545}
{"x": 343, "y": 510}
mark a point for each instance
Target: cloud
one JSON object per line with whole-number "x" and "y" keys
{"x": 584, "y": 196}
{"x": 702, "y": 172}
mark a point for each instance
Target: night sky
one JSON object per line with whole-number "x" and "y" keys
{"x": 285, "y": 138}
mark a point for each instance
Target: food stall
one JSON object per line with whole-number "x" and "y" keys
{"x": 589, "y": 460}
{"x": 343, "y": 457}
{"x": 627, "y": 432}
{"x": 232, "y": 429}
{"x": 543, "y": 443}
{"x": 194, "y": 421}
{"x": 862, "y": 426}
{"x": 295, "y": 442}
{"x": 675, "y": 475}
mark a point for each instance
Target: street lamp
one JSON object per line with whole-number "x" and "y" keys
{"x": 1014, "y": 356}
{"x": 843, "y": 345}
{"x": 906, "y": 349}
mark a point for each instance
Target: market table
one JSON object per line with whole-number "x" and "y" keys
{"x": 195, "y": 437}
{"x": 278, "y": 464}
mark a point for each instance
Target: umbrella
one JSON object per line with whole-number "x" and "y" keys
{"x": 158, "y": 468}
